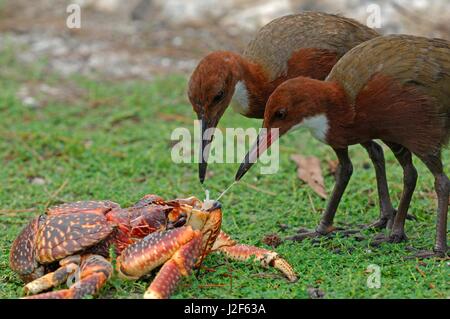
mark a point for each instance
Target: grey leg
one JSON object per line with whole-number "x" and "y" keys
{"x": 344, "y": 172}
{"x": 387, "y": 212}
{"x": 442, "y": 186}
{"x": 404, "y": 157}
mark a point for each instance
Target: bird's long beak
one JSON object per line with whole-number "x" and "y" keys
{"x": 206, "y": 138}
{"x": 262, "y": 143}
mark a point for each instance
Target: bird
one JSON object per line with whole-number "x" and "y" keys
{"x": 304, "y": 44}
{"x": 395, "y": 88}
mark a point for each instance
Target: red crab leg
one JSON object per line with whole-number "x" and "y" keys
{"x": 242, "y": 252}
{"x": 170, "y": 274}
{"x": 143, "y": 256}
{"x": 177, "y": 249}
{"x": 94, "y": 272}
{"x": 68, "y": 266}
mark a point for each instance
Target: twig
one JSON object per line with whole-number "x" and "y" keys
{"x": 14, "y": 212}
{"x": 312, "y": 203}
{"x": 211, "y": 286}
{"x": 421, "y": 272}
{"x": 55, "y": 193}
{"x": 264, "y": 275}
{"x": 258, "y": 189}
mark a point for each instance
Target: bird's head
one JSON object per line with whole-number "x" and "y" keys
{"x": 295, "y": 103}
{"x": 211, "y": 88}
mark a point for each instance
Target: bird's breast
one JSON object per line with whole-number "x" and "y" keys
{"x": 240, "y": 101}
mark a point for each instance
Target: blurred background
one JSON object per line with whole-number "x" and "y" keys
{"x": 141, "y": 39}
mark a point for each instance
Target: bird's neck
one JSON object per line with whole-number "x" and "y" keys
{"x": 251, "y": 88}
{"x": 341, "y": 115}
{"x": 330, "y": 112}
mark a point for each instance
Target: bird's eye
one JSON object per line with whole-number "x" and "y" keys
{"x": 219, "y": 96}
{"x": 280, "y": 114}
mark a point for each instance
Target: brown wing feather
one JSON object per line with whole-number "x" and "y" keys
{"x": 410, "y": 60}
{"x": 275, "y": 43}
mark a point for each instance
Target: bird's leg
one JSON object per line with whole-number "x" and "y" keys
{"x": 404, "y": 157}
{"x": 94, "y": 273}
{"x": 387, "y": 212}
{"x": 344, "y": 172}
{"x": 261, "y": 256}
{"x": 442, "y": 187}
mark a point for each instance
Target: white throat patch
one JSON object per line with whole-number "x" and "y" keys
{"x": 317, "y": 125}
{"x": 239, "y": 102}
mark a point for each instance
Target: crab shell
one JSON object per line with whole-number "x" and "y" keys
{"x": 95, "y": 227}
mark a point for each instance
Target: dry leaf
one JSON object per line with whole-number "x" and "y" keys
{"x": 308, "y": 170}
{"x": 272, "y": 240}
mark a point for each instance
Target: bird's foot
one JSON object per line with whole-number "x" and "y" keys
{"x": 379, "y": 224}
{"x": 327, "y": 232}
{"x": 424, "y": 254}
{"x": 386, "y": 221}
{"x": 393, "y": 238}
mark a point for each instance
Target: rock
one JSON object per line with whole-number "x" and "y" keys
{"x": 315, "y": 293}
{"x": 101, "y": 5}
{"x": 255, "y": 16}
{"x": 236, "y": 14}
{"x": 27, "y": 100}
{"x": 37, "y": 180}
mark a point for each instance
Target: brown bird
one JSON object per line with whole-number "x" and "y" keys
{"x": 394, "y": 88}
{"x": 305, "y": 44}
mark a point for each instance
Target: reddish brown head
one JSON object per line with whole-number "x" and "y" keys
{"x": 299, "y": 102}
{"x": 211, "y": 88}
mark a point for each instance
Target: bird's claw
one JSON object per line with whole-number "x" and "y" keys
{"x": 329, "y": 232}
{"x": 424, "y": 254}
{"x": 393, "y": 238}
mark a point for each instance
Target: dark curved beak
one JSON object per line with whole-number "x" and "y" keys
{"x": 206, "y": 138}
{"x": 262, "y": 143}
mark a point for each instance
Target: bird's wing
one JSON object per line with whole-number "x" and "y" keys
{"x": 275, "y": 43}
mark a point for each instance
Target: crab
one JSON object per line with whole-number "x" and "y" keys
{"x": 79, "y": 242}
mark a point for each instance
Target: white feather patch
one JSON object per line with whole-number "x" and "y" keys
{"x": 317, "y": 125}
{"x": 240, "y": 98}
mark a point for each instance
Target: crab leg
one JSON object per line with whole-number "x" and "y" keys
{"x": 94, "y": 272}
{"x": 170, "y": 274}
{"x": 177, "y": 249}
{"x": 264, "y": 257}
{"x": 68, "y": 266}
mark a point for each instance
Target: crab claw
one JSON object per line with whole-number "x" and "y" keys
{"x": 264, "y": 257}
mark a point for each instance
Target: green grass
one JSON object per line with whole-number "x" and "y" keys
{"x": 113, "y": 143}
